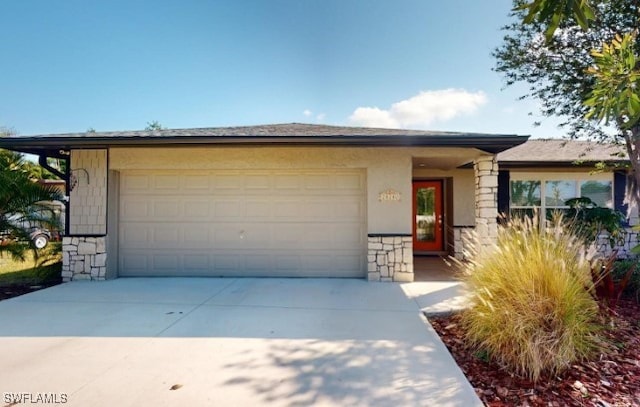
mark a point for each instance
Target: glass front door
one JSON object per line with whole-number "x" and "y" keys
{"x": 427, "y": 216}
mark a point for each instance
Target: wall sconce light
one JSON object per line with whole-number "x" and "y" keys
{"x": 74, "y": 179}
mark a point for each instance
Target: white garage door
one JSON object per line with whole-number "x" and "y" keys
{"x": 242, "y": 223}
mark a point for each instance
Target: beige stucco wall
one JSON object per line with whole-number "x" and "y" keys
{"x": 463, "y": 192}
{"x": 88, "y": 199}
{"x": 386, "y": 167}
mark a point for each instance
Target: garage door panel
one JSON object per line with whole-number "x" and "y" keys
{"x": 348, "y": 236}
{"x": 287, "y": 182}
{"x": 134, "y": 208}
{"x": 258, "y": 209}
{"x": 258, "y": 236}
{"x": 345, "y": 210}
{"x": 256, "y": 263}
{"x": 196, "y": 182}
{"x": 196, "y": 263}
{"x": 321, "y": 235}
{"x": 317, "y": 182}
{"x": 290, "y": 237}
{"x": 228, "y": 209}
{"x": 136, "y": 183}
{"x": 317, "y": 263}
{"x": 257, "y": 182}
{"x": 166, "y": 183}
{"x": 134, "y": 263}
{"x": 166, "y": 209}
{"x": 227, "y": 235}
{"x": 165, "y": 261}
{"x": 288, "y": 262}
{"x": 132, "y": 235}
{"x": 349, "y": 182}
{"x": 241, "y": 223}
{"x": 166, "y": 236}
{"x": 227, "y": 183}
{"x": 317, "y": 210}
{"x": 336, "y": 209}
{"x": 227, "y": 264}
{"x": 345, "y": 263}
{"x": 197, "y": 209}
{"x": 197, "y": 236}
{"x": 287, "y": 209}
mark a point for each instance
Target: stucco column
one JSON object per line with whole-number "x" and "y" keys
{"x": 486, "y": 174}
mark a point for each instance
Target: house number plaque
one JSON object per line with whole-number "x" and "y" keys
{"x": 390, "y": 195}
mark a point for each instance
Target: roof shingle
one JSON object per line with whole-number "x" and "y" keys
{"x": 273, "y": 134}
{"x": 269, "y": 130}
{"x": 562, "y": 151}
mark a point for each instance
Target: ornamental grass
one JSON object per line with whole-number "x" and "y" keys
{"x": 532, "y": 308}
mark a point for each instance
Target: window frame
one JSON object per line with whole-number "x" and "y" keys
{"x": 543, "y": 177}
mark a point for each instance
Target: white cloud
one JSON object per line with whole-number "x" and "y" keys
{"x": 421, "y": 110}
{"x": 318, "y": 117}
{"x": 373, "y": 117}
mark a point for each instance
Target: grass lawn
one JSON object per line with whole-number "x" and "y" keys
{"x": 19, "y": 277}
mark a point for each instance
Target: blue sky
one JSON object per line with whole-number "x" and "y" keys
{"x": 71, "y": 65}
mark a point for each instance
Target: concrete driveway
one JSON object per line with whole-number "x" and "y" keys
{"x": 226, "y": 341}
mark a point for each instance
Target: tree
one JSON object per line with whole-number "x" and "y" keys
{"x": 153, "y": 126}
{"x": 553, "y": 12}
{"x": 580, "y": 61}
{"x": 17, "y": 162}
{"x": 23, "y": 204}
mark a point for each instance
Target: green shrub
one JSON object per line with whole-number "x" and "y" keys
{"x": 620, "y": 268}
{"x": 532, "y": 309}
{"x": 590, "y": 220}
{"x": 48, "y": 268}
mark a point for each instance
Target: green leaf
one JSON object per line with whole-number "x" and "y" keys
{"x": 580, "y": 16}
{"x": 553, "y": 26}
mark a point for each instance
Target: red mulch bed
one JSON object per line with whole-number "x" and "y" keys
{"x": 613, "y": 380}
{"x": 16, "y": 290}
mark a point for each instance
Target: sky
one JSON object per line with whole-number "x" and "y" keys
{"x": 74, "y": 65}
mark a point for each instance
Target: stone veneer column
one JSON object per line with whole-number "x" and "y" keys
{"x": 390, "y": 258}
{"x": 486, "y": 172}
{"x": 84, "y": 258}
{"x": 462, "y": 237}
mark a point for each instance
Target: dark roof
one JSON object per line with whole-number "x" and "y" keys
{"x": 279, "y": 134}
{"x": 558, "y": 151}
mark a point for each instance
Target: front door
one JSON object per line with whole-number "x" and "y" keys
{"x": 427, "y": 216}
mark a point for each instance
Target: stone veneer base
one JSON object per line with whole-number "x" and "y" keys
{"x": 462, "y": 239}
{"x": 629, "y": 240}
{"x": 84, "y": 258}
{"x": 390, "y": 258}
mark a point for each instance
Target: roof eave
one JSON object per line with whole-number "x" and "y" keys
{"x": 557, "y": 164}
{"x": 489, "y": 143}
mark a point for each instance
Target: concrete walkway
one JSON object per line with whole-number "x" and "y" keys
{"x": 438, "y": 288}
{"x": 236, "y": 342}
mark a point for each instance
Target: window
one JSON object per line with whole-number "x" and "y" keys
{"x": 547, "y": 192}
{"x": 600, "y": 192}
{"x": 525, "y": 193}
{"x": 525, "y": 196}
